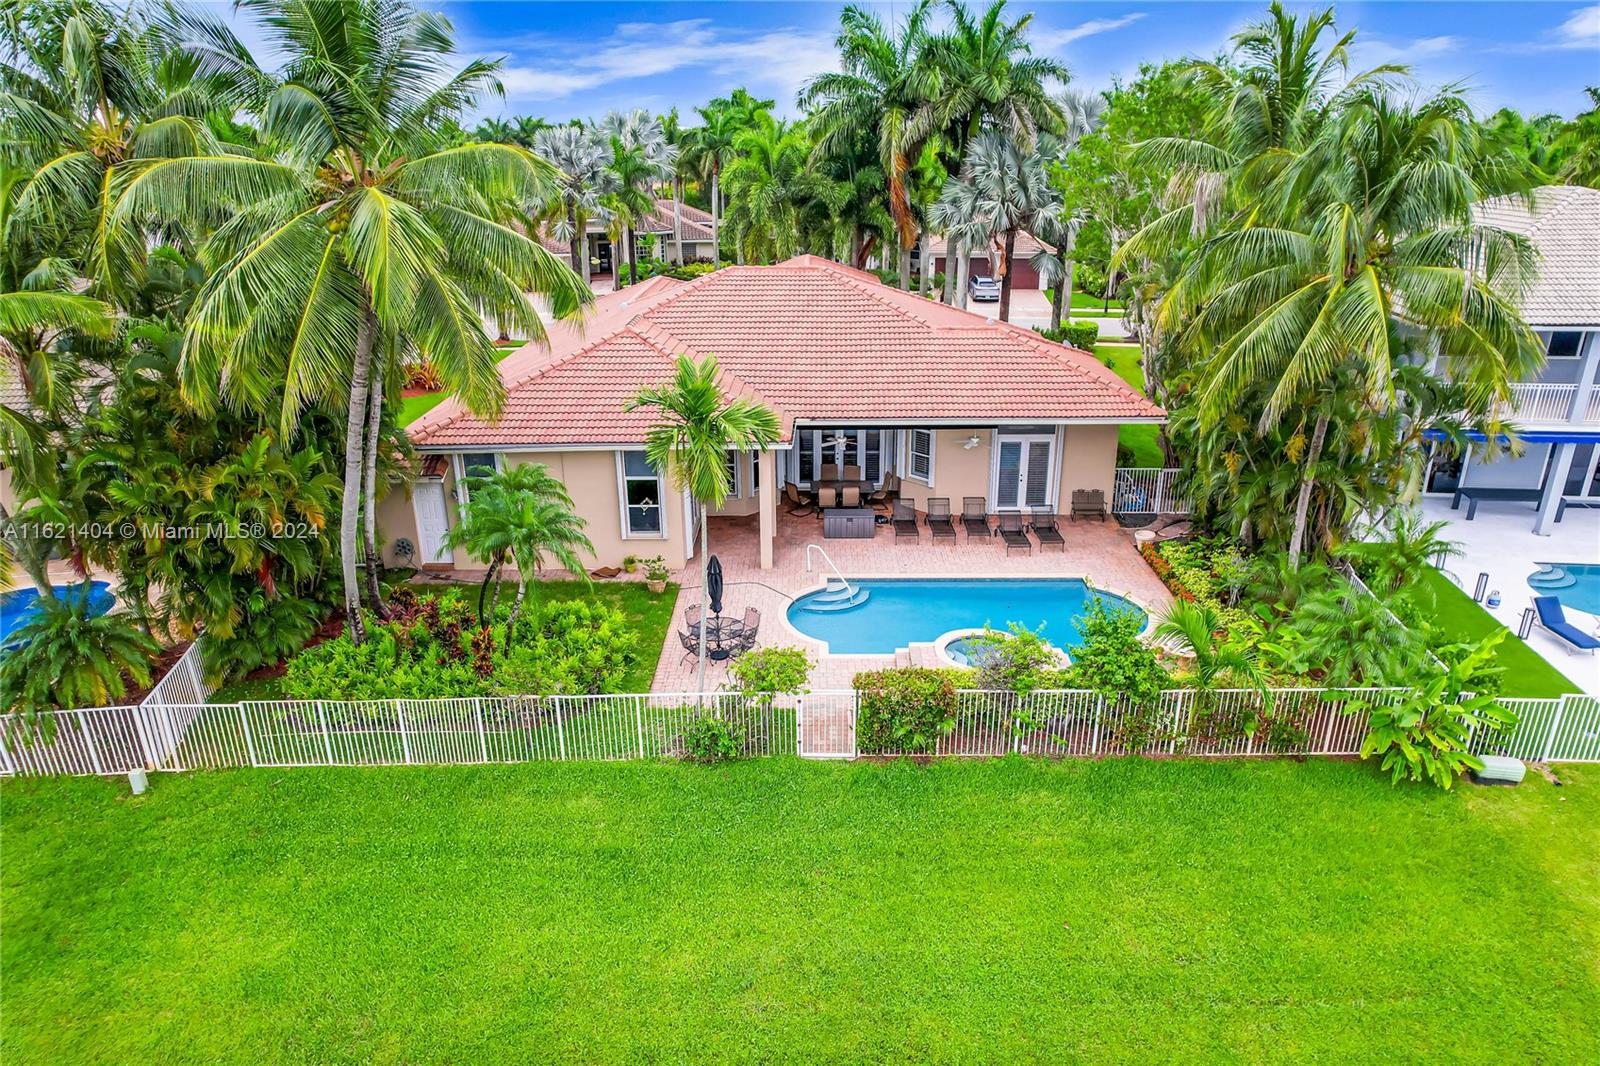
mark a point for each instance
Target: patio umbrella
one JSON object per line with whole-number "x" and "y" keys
{"x": 714, "y": 584}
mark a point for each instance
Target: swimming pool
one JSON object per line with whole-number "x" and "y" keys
{"x": 1577, "y": 584}
{"x": 18, "y": 606}
{"x": 897, "y": 612}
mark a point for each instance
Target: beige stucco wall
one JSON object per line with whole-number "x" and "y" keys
{"x": 1088, "y": 461}
{"x": 396, "y": 519}
{"x": 591, "y": 480}
{"x": 957, "y": 470}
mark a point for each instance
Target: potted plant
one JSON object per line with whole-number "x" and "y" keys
{"x": 656, "y": 574}
{"x": 630, "y": 563}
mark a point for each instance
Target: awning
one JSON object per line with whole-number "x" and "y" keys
{"x": 1532, "y": 436}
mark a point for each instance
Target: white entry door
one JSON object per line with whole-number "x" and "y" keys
{"x": 1023, "y": 471}
{"x": 433, "y": 522}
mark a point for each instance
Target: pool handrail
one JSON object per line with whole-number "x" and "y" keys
{"x": 849, "y": 589}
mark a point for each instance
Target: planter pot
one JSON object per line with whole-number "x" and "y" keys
{"x": 657, "y": 587}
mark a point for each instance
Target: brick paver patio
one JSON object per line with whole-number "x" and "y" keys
{"x": 1102, "y": 553}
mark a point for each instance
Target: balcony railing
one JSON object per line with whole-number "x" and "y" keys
{"x": 1545, "y": 403}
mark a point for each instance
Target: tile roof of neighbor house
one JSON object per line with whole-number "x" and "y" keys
{"x": 812, "y": 339}
{"x": 1564, "y": 225}
{"x": 1025, "y": 246}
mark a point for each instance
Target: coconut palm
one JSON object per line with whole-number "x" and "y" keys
{"x": 695, "y": 429}
{"x": 582, "y": 154}
{"x": 882, "y": 85}
{"x": 495, "y": 130}
{"x": 768, "y": 184}
{"x": 525, "y": 130}
{"x": 708, "y": 148}
{"x": 360, "y": 236}
{"x": 1002, "y": 189}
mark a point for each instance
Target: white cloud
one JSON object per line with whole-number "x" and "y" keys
{"x": 1045, "y": 40}
{"x": 774, "y": 63}
{"x": 1372, "y": 51}
{"x": 1582, "y": 29}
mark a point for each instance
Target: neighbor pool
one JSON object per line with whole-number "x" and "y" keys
{"x": 897, "y": 612}
{"x": 1577, "y": 585}
{"x": 18, "y": 606}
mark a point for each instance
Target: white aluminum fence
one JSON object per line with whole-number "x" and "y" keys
{"x": 519, "y": 729}
{"x": 1140, "y": 489}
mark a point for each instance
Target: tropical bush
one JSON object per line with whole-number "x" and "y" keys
{"x": 771, "y": 671}
{"x": 65, "y": 658}
{"x": 1424, "y": 735}
{"x": 1112, "y": 660}
{"x": 904, "y": 710}
{"x": 709, "y": 739}
{"x": 1017, "y": 660}
{"x": 1082, "y": 335}
{"x": 432, "y": 648}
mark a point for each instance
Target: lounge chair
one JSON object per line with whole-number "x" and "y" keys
{"x": 1046, "y": 529}
{"x": 905, "y": 521}
{"x": 850, "y": 496}
{"x": 975, "y": 517}
{"x": 1091, "y": 503}
{"x": 1013, "y": 533}
{"x": 827, "y": 497}
{"x": 799, "y": 503}
{"x": 940, "y": 522}
{"x": 1552, "y": 619}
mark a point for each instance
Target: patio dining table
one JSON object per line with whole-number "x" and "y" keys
{"x": 722, "y": 636}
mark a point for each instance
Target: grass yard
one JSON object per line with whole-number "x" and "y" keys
{"x": 1458, "y": 619}
{"x": 784, "y": 911}
{"x": 414, "y": 407}
{"x": 1124, "y": 359}
{"x": 1083, "y": 301}
{"x": 649, "y": 615}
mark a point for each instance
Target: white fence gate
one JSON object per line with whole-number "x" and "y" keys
{"x": 1146, "y": 489}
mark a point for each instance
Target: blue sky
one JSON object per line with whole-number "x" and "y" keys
{"x": 577, "y": 58}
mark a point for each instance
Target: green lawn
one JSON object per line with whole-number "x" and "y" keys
{"x": 649, "y": 615}
{"x": 1124, "y": 359}
{"x": 1458, "y": 619}
{"x": 783, "y": 911}
{"x": 1083, "y": 301}
{"x": 414, "y": 407}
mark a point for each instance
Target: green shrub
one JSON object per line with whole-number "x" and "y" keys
{"x": 1016, "y": 661}
{"x": 904, "y": 710}
{"x": 1090, "y": 278}
{"x": 709, "y": 739}
{"x": 586, "y": 646}
{"x": 65, "y": 658}
{"x": 1082, "y": 335}
{"x": 771, "y": 671}
{"x": 1113, "y": 661}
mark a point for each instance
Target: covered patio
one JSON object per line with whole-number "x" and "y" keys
{"x": 1102, "y": 553}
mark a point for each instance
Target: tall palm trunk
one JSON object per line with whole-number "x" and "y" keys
{"x": 350, "y": 512}
{"x": 704, "y": 565}
{"x": 1005, "y": 279}
{"x": 963, "y": 265}
{"x": 905, "y": 266}
{"x": 716, "y": 216}
{"x": 1303, "y": 505}
{"x": 677, "y": 220}
{"x": 487, "y": 604}
{"x": 1063, "y": 289}
{"x": 370, "y": 481}
{"x": 633, "y": 257}
{"x": 925, "y": 278}
{"x": 579, "y": 240}
{"x": 949, "y": 270}
{"x": 516, "y": 604}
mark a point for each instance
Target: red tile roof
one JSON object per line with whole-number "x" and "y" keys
{"x": 813, "y": 339}
{"x": 696, "y": 226}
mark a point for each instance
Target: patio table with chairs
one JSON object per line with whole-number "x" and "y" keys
{"x": 725, "y": 637}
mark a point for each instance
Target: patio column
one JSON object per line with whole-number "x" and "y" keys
{"x": 767, "y": 504}
{"x": 1555, "y": 484}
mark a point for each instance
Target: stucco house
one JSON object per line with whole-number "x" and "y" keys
{"x": 1024, "y": 274}
{"x": 1558, "y": 411}
{"x": 660, "y": 224}
{"x": 859, "y": 373}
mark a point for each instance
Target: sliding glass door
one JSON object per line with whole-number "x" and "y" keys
{"x": 841, "y": 447}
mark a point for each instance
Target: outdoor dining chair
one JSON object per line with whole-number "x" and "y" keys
{"x": 752, "y": 627}
{"x": 691, "y": 645}
{"x": 886, "y": 494}
{"x": 799, "y": 503}
{"x": 850, "y": 496}
{"x": 1013, "y": 533}
{"x": 1046, "y": 529}
{"x": 940, "y": 522}
{"x": 829, "y": 472}
{"x": 975, "y": 517}
{"x": 905, "y": 521}
{"x": 827, "y": 497}
{"x": 852, "y": 472}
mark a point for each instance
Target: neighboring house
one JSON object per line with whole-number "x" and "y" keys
{"x": 1023, "y": 274}
{"x": 1558, "y": 412}
{"x": 859, "y": 373}
{"x": 602, "y": 260}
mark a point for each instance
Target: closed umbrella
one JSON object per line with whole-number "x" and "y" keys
{"x": 714, "y": 584}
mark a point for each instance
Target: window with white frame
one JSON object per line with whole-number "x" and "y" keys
{"x": 1564, "y": 344}
{"x": 641, "y": 497}
{"x": 755, "y": 473}
{"x": 919, "y": 462}
{"x": 479, "y": 464}
{"x": 732, "y": 461}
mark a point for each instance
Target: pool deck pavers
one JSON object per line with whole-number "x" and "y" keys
{"x": 1103, "y": 553}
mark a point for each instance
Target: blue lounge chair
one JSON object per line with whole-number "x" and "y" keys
{"x": 1554, "y": 619}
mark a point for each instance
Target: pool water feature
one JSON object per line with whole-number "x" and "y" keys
{"x": 1577, "y": 585}
{"x": 894, "y": 613}
{"x": 18, "y": 606}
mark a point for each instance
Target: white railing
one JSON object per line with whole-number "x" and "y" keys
{"x": 1593, "y": 414}
{"x": 1538, "y": 403}
{"x": 1145, "y": 489}
{"x": 525, "y": 729}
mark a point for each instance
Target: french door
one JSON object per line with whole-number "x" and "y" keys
{"x": 816, "y": 448}
{"x": 1024, "y": 470}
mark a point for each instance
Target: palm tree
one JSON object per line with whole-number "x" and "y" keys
{"x": 495, "y": 131}
{"x": 1002, "y": 189}
{"x": 1198, "y": 630}
{"x": 1577, "y": 146}
{"x": 582, "y": 155}
{"x": 520, "y": 516}
{"x": 986, "y": 76}
{"x": 709, "y": 147}
{"x": 882, "y": 85}
{"x": 360, "y": 236}
{"x": 67, "y": 657}
{"x": 768, "y": 184}
{"x": 525, "y": 130}
{"x": 690, "y": 441}
{"x": 641, "y": 156}
{"x": 1410, "y": 545}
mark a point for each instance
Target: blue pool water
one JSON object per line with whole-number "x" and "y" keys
{"x": 898, "y": 611}
{"x": 18, "y": 606}
{"x": 1577, "y": 585}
